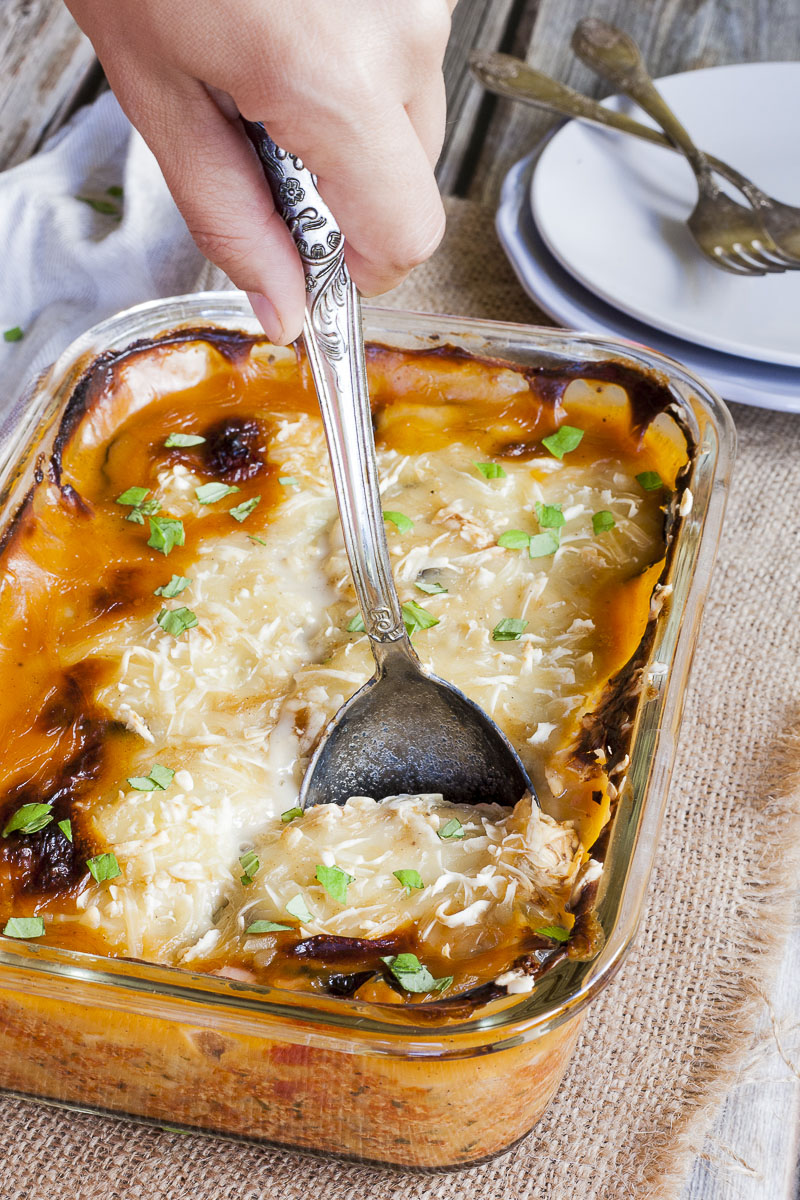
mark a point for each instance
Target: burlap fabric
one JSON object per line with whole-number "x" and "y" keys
{"x": 659, "y": 1047}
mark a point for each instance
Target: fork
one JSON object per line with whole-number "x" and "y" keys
{"x": 731, "y": 235}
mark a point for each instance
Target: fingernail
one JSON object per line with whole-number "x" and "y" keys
{"x": 267, "y": 314}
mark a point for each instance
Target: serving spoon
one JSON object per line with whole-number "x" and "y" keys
{"x": 406, "y": 730}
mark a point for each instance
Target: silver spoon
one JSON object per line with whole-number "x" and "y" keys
{"x": 405, "y": 730}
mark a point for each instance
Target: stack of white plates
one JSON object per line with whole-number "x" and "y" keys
{"x": 594, "y": 224}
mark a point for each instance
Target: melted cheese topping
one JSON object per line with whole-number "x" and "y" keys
{"x": 236, "y": 704}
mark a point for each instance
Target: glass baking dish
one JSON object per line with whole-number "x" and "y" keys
{"x": 341, "y": 1076}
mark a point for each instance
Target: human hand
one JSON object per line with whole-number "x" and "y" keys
{"x": 354, "y": 87}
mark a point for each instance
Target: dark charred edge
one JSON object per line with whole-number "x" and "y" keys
{"x": 346, "y": 986}
{"x": 99, "y": 374}
{"x": 15, "y": 524}
{"x": 363, "y": 952}
{"x": 235, "y": 449}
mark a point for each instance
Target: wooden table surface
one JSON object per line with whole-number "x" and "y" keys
{"x": 48, "y": 69}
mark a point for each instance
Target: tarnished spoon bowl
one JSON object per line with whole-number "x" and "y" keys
{"x": 405, "y": 731}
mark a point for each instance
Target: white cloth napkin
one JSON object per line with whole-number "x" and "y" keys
{"x": 66, "y": 266}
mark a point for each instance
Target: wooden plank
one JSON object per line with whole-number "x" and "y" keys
{"x": 45, "y": 62}
{"x": 675, "y": 35}
{"x": 477, "y": 24}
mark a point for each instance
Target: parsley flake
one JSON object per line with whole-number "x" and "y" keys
{"x": 490, "y": 470}
{"x": 209, "y": 493}
{"x": 13, "y": 335}
{"x": 409, "y": 879}
{"x": 30, "y": 818}
{"x": 24, "y": 927}
{"x": 174, "y": 588}
{"x": 603, "y": 521}
{"x": 258, "y": 541}
{"x": 145, "y": 509}
{"x": 549, "y": 516}
{"x": 104, "y": 866}
{"x": 430, "y": 589}
{"x": 415, "y": 617}
{"x": 158, "y": 780}
{"x": 291, "y": 814}
{"x": 165, "y": 534}
{"x": 100, "y": 206}
{"x": 250, "y": 866}
{"x": 66, "y": 828}
{"x": 288, "y": 481}
{"x": 133, "y": 495}
{"x": 114, "y": 190}
{"x": 183, "y": 440}
{"x": 510, "y": 629}
{"x": 176, "y": 620}
{"x": 514, "y": 539}
{"x": 556, "y": 932}
{"x": 401, "y": 522}
{"x": 542, "y": 545}
{"x": 297, "y": 908}
{"x": 335, "y": 881}
{"x": 266, "y": 927}
{"x": 242, "y": 511}
{"x": 651, "y": 481}
{"x": 356, "y": 625}
{"x": 413, "y": 976}
{"x": 563, "y": 440}
{"x": 452, "y": 830}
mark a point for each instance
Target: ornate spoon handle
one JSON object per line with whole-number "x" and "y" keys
{"x": 335, "y": 347}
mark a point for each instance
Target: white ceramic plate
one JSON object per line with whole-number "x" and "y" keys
{"x": 613, "y": 210}
{"x": 572, "y": 305}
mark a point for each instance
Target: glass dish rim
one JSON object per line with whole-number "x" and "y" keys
{"x": 526, "y": 1015}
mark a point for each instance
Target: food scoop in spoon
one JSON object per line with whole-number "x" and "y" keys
{"x": 405, "y": 731}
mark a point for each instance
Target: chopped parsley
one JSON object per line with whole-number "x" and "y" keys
{"x": 409, "y": 879}
{"x": 556, "y": 932}
{"x": 250, "y": 866}
{"x": 242, "y": 511}
{"x": 115, "y": 190}
{"x": 335, "y": 881}
{"x": 209, "y": 493}
{"x": 297, "y": 907}
{"x": 258, "y": 541}
{"x": 401, "y": 522}
{"x": 13, "y": 335}
{"x": 176, "y": 620}
{"x": 490, "y": 470}
{"x": 165, "y": 534}
{"x": 413, "y": 976}
{"x": 145, "y": 509}
{"x": 291, "y": 814}
{"x": 288, "y": 481}
{"x": 184, "y": 440}
{"x": 24, "y": 927}
{"x": 452, "y": 830}
{"x": 356, "y": 625}
{"x": 564, "y": 440}
{"x": 651, "y": 481}
{"x": 30, "y": 818}
{"x": 510, "y": 629}
{"x": 603, "y": 521}
{"x": 100, "y": 206}
{"x": 542, "y": 545}
{"x": 158, "y": 779}
{"x": 430, "y": 589}
{"x": 514, "y": 539}
{"x": 174, "y": 588}
{"x": 66, "y": 828}
{"x": 266, "y": 927}
{"x": 133, "y": 496}
{"x": 549, "y": 516}
{"x": 104, "y": 866}
{"x": 415, "y": 617}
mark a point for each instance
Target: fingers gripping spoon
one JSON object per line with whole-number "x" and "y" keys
{"x": 405, "y": 731}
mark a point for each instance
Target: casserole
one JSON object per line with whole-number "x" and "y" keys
{"x": 411, "y": 1066}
